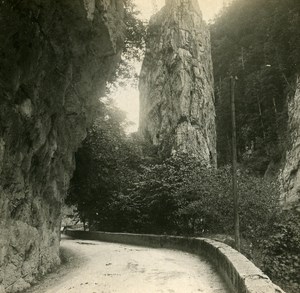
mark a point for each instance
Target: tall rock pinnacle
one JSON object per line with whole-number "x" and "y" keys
{"x": 177, "y": 111}
{"x": 290, "y": 174}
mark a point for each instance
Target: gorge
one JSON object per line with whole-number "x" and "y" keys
{"x": 56, "y": 58}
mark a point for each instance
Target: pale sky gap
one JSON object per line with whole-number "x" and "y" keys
{"x": 127, "y": 98}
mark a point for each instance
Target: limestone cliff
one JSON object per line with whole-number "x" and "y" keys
{"x": 55, "y": 59}
{"x": 177, "y": 111}
{"x": 290, "y": 175}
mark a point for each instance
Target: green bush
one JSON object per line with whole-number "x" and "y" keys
{"x": 281, "y": 252}
{"x": 207, "y": 202}
{"x": 181, "y": 196}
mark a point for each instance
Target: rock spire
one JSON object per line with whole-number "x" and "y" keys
{"x": 177, "y": 111}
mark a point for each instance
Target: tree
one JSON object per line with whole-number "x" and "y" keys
{"x": 257, "y": 41}
{"x": 107, "y": 157}
{"x": 133, "y": 49}
{"x": 103, "y": 165}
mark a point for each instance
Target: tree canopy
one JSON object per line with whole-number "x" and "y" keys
{"x": 258, "y": 42}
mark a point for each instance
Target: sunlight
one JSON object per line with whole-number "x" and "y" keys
{"x": 127, "y": 99}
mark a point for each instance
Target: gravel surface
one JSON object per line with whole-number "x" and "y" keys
{"x": 95, "y": 267}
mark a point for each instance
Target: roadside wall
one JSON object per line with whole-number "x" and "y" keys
{"x": 241, "y": 275}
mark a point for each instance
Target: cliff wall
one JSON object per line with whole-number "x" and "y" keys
{"x": 290, "y": 175}
{"x": 55, "y": 59}
{"x": 177, "y": 111}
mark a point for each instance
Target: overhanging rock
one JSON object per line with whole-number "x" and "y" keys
{"x": 55, "y": 58}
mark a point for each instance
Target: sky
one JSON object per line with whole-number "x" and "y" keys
{"x": 127, "y": 98}
{"x": 209, "y": 7}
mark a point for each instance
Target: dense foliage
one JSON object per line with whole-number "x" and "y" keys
{"x": 133, "y": 49}
{"x": 176, "y": 196}
{"x": 117, "y": 189}
{"x": 104, "y": 164}
{"x": 281, "y": 252}
{"x": 257, "y": 41}
{"x": 181, "y": 196}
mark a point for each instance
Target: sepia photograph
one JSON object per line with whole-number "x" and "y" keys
{"x": 150, "y": 146}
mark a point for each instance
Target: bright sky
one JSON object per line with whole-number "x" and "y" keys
{"x": 209, "y": 7}
{"x": 127, "y": 98}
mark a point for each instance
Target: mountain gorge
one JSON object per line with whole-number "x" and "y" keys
{"x": 174, "y": 175}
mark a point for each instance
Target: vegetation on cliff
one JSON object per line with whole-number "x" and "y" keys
{"x": 257, "y": 41}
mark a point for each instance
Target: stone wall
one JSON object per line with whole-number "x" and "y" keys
{"x": 177, "y": 111}
{"x": 55, "y": 59}
{"x": 290, "y": 175}
{"x": 241, "y": 275}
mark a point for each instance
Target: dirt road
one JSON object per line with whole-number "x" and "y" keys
{"x": 96, "y": 267}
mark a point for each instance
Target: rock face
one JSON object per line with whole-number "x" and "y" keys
{"x": 55, "y": 58}
{"x": 290, "y": 176}
{"x": 177, "y": 111}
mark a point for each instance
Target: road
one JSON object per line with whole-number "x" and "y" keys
{"x": 96, "y": 267}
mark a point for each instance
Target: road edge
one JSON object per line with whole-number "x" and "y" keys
{"x": 240, "y": 274}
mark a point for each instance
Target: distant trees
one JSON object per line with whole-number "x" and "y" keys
{"x": 258, "y": 41}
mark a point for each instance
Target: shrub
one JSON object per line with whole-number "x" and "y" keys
{"x": 180, "y": 195}
{"x": 281, "y": 252}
